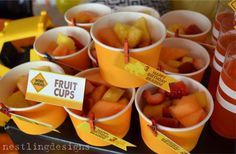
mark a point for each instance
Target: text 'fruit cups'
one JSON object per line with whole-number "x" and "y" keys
{"x": 188, "y": 132}
{"x": 184, "y": 57}
{"x": 183, "y": 19}
{"x": 59, "y": 40}
{"x": 112, "y": 114}
{"x": 108, "y": 45}
{"x": 42, "y": 112}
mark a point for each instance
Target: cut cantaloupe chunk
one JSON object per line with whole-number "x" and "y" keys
{"x": 86, "y": 17}
{"x": 193, "y": 118}
{"x": 98, "y": 93}
{"x": 89, "y": 87}
{"x": 185, "y": 106}
{"x": 61, "y": 50}
{"x": 96, "y": 79}
{"x": 104, "y": 108}
{"x": 123, "y": 101}
{"x": 202, "y": 98}
{"x": 17, "y": 100}
{"x": 168, "y": 53}
{"x": 65, "y": 40}
{"x": 22, "y": 84}
{"x": 155, "y": 110}
{"x": 167, "y": 67}
{"x": 113, "y": 94}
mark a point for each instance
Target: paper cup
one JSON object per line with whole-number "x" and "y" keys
{"x": 91, "y": 56}
{"x": 107, "y": 55}
{"x": 117, "y": 124}
{"x": 186, "y": 18}
{"x": 79, "y": 59}
{"x": 42, "y": 112}
{"x": 185, "y": 137}
{"x": 141, "y": 9}
{"x": 195, "y": 50}
{"x": 97, "y": 8}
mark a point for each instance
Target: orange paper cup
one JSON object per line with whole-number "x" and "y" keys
{"x": 185, "y": 137}
{"x": 97, "y": 8}
{"x": 117, "y": 124}
{"x": 186, "y": 18}
{"x": 141, "y": 9}
{"x": 91, "y": 56}
{"x": 79, "y": 59}
{"x": 107, "y": 55}
{"x": 42, "y": 112}
{"x": 195, "y": 50}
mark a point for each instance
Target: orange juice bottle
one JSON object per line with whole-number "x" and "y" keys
{"x": 223, "y": 119}
{"x": 223, "y": 42}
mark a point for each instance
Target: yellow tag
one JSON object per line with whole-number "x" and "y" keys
{"x": 232, "y": 4}
{"x": 113, "y": 94}
{"x": 56, "y": 89}
{"x": 34, "y": 56}
{"x": 3, "y": 70}
{"x": 4, "y": 119}
{"x": 35, "y": 122}
{"x": 145, "y": 72}
{"x": 105, "y": 136}
{"x": 174, "y": 146}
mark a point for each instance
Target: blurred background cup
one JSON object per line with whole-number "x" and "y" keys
{"x": 85, "y": 12}
{"x": 79, "y": 59}
{"x": 117, "y": 124}
{"x": 107, "y": 55}
{"x": 224, "y": 116}
{"x": 186, "y": 18}
{"x": 225, "y": 38}
{"x": 185, "y": 137}
{"x": 141, "y": 9}
{"x": 50, "y": 114}
{"x": 196, "y": 51}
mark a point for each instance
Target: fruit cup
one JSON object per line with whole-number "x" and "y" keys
{"x": 78, "y": 59}
{"x": 187, "y": 137}
{"x": 141, "y": 9}
{"x": 186, "y": 18}
{"x": 107, "y": 55}
{"x": 117, "y": 124}
{"x": 190, "y": 52}
{"x": 86, "y": 14}
{"x": 42, "y": 112}
{"x": 92, "y": 54}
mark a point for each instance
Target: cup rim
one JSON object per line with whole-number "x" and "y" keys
{"x": 28, "y": 63}
{"x": 81, "y": 5}
{"x": 66, "y": 56}
{"x": 160, "y": 24}
{"x": 204, "y": 51}
{"x": 161, "y": 127}
{"x": 131, "y": 101}
{"x": 126, "y": 9}
{"x": 192, "y": 12}
{"x": 91, "y": 45}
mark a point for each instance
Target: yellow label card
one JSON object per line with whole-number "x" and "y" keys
{"x": 232, "y": 4}
{"x": 35, "y": 122}
{"x": 3, "y": 70}
{"x": 148, "y": 73}
{"x": 174, "y": 146}
{"x": 105, "y": 136}
{"x": 56, "y": 89}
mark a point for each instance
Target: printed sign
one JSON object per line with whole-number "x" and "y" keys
{"x": 56, "y": 89}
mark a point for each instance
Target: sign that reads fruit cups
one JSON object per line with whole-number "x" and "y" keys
{"x": 56, "y": 89}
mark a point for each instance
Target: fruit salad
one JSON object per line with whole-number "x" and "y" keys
{"x": 189, "y": 30}
{"x": 178, "y": 60}
{"x": 177, "y": 109}
{"x": 86, "y": 17}
{"x": 64, "y": 45}
{"x": 137, "y": 34}
{"x": 17, "y": 98}
{"x": 101, "y": 99}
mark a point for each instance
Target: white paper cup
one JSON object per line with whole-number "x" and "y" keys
{"x": 97, "y": 8}
{"x": 185, "y": 137}
{"x": 117, "y": 124}
{"x": 141, "y": 9}
{"x": 53, "y": 115}
{"x": 186, "y": 18}
{"x": 195, "y": 51}
{"x": 91, "y": 56}
{"x": 79, "y": 59}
